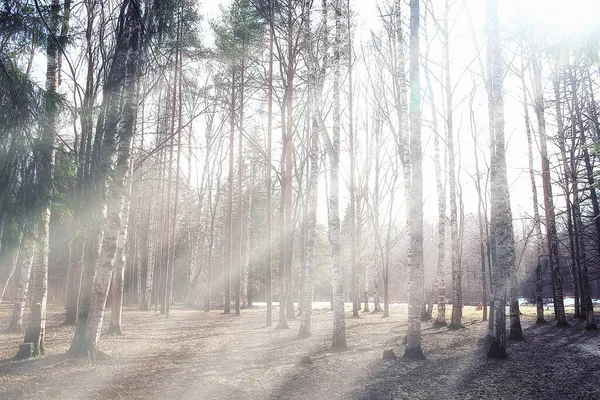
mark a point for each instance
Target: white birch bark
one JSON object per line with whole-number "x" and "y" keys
{"x": 126, "y": 63}
{"x": 26, "y": 260}
{"x": 45, "y": 175}
{"x": 413, "y": 338}
{"x": 339, "y": 322}
{"x": 455, "y": 240}
{"x": 440, "y": 276}
{"x": 501, "y": 218}
{"x": 115, "y": 327}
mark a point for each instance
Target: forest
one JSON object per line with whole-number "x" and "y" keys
{"x": 303, "y": 199}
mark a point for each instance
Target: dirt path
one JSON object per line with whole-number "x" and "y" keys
{"x": 198, "y": 355}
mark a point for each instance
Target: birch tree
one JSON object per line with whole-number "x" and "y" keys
{"x": 34, "y": 335}
{"x": 413, "y": 340}
{"x": 500, "y": 212}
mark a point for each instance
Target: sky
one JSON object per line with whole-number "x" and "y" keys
{"x": 543, "y": 17}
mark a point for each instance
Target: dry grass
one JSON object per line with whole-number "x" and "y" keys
{"x": 198, "y": 355}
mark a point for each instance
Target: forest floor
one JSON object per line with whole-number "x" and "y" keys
{"x": 199, "y": 355}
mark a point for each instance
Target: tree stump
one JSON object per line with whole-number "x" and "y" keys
{"x": 389, "y": 355}
{"x": 25, "y": 351}
{"x": 305, "y": 360}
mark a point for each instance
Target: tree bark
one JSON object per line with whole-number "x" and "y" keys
{"x": 339, "y": 322}
{"x": 536, "y": 214}
{"x": 553, "y": 242}
{"x": 501, "y": 218}
{"x": 456, "y": 320}
{"x": 415, "y": 292}
{"x": 269, "y": 222}
{"x": 121, "y": 82}
{"x": 45, "y": 175}
{"x": 26, "y": 261}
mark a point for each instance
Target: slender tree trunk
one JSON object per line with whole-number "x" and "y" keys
{"x": 582, "y": 256}
{"x": 589, "y": 168}
{"x": 78, "y": 242}
{"x": 26, "y": 261}
{"x": 45, "y": 175}
{"x": 456, "y": 320}
{"x": 553, "y": 242}
{"x": 312, "y": 187}
{"x": 575, "y": 259}
{"x": 228, "y": 222}
{"x": 480, "y": 216}
{"x": 306, "y": 322}
{"x": 536, "y": 214}
{"x": 402, "y": 115}
{"x": 269, "y": 222}
{"x": 178, "y": 84}
{"x": 238, "y": 275}
{"x": 415, "y": 291}
{"x": 354, "y": 292}
{"x": 288, "y": 217}
{"x": 339, "y": 322}
{"x": 501, "y": 218}
{"x": 282, "y": 323}
{"x": 13, "y": 268}
{"x": 379, "y": 261}
{"x": 116, "y": 327}
{"x": 248, "y": 263}
{"x": 588, "y": 310}
{"x": 440, "y": 277}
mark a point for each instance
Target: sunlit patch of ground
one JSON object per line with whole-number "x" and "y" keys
{"x": 198, "y": 355}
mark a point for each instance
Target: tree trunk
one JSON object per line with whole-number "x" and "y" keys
{"x": 26, "y": 260}
{"x": 288, "y": 217}
{"x": 269, "y": 222}
{"x": 240, "y": 221}
{"x": 480, "y": 216}
{"x": 121, "y": 82}
{"x": 354, "y": 292}
{"x": 305, "y": 323}
{"x": 536, "y": 214}
{"x": 116, "y": 327}
{"x": 339, "y": 322}
{"x": 440, "y": 276}
{"x": 229, "y": 223}
{"x": 379, "y": 260}
{"x": 553, "y": 242}
{"x": 587, "y": 308}
{"x": 501, "y": 218}
{"x": 456, "y": 320}
{"x": 415, "y": 291}
{"x": 282, "y": 323}
{"x": 45, "y": 175}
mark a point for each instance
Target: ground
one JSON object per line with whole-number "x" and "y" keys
{"x": 199, "y": 355}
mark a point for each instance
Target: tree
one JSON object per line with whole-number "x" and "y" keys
{"x": 456, "y": 267}
{"x": 333, "y": 147}
{"x": 26, "y": 256}
{"x": 34, "y": 336}
{"x": 551, "y": 231}
{"x": 536, "y": 213}
{"x": 500, "y": 211}
{"x": 413, "y": 340}
{"x": 440, "y": 277}
{"x": 269, "y": 222}
{"x": 117, "y": 131}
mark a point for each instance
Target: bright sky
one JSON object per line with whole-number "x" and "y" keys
{"x": 545, "y": 17}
